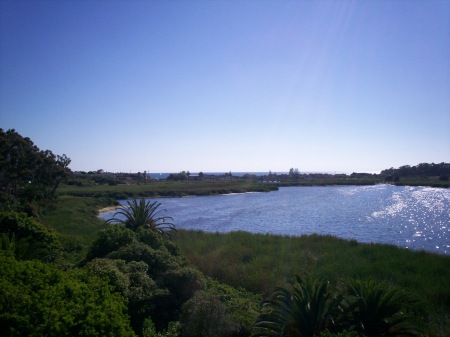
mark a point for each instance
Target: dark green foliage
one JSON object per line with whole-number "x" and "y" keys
{"x": 308, "y": 308}
{"x": 376, "y": 310}
{"x": 28, "y": 231}
{"x": 149, "y": 329}
{"x": 242, "y": 305}
{"x": 183, "y": 175}
{"x": 23, "y": 249}
{"x": 110, "y": 239}
{"x": 144, "y": 214}
{"x": 258, "y": 263}
{"x": 423, "y": 169}
{"x": 29, "y": 177}
{"x": 344, "y": 333}
{"x": 156, "y": 280}
{"x": 204, "y": 315}
{"x": 133, "y": 282}
{"x": 304, "y": 309}
{"x": 37, "y": 299}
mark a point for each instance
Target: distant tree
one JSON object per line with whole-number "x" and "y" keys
{"x": 423, "y": 170}
{"x": 178, "y": 176}
{"x": 293, "y": 172}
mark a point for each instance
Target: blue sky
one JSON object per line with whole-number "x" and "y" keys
{"x": 219, "y": 86}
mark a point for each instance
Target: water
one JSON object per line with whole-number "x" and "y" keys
{"x": 412, "y": 217}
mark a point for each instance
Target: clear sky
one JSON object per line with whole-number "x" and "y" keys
{"x": 218, "y": 86}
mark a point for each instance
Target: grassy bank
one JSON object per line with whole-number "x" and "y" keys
{"x": 75, "y": 221}
{"x": 165, "y": 188}
{"x": 162, "y": 188}
{"x": 260, "y": 262}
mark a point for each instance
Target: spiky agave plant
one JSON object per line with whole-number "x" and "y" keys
{"x": 144, "y": 214}
{"x": 376, "y": 310}
{"x": 23, "y": 248}
{"x": 304, "y": 310}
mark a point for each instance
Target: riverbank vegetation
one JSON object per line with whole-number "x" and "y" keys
{"x": 64, "y": 272}
{"x": 260, "y": 263}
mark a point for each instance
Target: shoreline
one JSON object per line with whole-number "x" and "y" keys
{"x": 107, "y": 209}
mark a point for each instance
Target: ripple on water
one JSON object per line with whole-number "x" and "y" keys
{"x": 413, "y": 217}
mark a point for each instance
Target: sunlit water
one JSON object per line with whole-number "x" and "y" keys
{"x": 412, "y": 217}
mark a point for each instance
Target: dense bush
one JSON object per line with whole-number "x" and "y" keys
{"x": 109, "y": 239}
{"x": 204, "y": 315}
{"x": 147, "y": 269}
{"x": 37, "y": 299}
{"x": 23, "y": 227}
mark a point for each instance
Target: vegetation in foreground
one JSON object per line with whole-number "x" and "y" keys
{"x": 260, "y": 263}
{"x": 64, "y": 273}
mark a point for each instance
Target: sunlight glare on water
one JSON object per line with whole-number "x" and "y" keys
{"x": 412, "y": 217}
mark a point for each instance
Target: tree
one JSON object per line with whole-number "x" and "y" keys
{"x": 183, "y": 175}
{"x": 305, "y": 309}
{"x": 144, "y": 214}
{"x": 28, "y": 176}
{"x": 293, "y": 172}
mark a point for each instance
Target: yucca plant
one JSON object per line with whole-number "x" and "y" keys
{"x": 305, "y": 309}
{"x": 375, "y": 310}
{"x": 23, "y": 248}
{"x": 144, "y": 214}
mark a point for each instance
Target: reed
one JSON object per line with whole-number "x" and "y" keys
{"x": 259, "y": 263}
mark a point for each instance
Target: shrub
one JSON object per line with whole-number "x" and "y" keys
{"x": 37, "y": 299}
{"x": 204, "y": 315}
{"x": 110, "y": 239}
{"x": 27, "y": 228}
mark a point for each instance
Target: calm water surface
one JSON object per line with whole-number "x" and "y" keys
{"x": 412, "y": 217}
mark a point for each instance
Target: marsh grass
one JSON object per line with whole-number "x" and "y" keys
{"x": 75, "y": 222}
{"x": 167, "y": 189}
{"x": 259, "y": 263}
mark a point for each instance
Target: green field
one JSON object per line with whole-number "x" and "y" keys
{"x": 159, "y": 188}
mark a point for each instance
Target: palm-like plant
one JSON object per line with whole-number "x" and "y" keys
{"x": 143, "y": 214}
{"x": 375, "y": 310}
{"x": 23, "y": 248}
{"x": 304, "y": 310}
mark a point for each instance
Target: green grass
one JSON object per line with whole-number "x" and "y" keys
{"x": 167, "y": 189}
{"x": 75, "y": 222}
{"x": 259, "y": 263}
